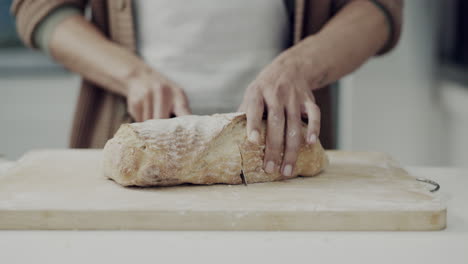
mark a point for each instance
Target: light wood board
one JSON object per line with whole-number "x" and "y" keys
{"x": 65, "y": 189}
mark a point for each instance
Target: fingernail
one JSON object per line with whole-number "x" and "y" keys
{"x": 287, "y": 170}
{"x": 270, "y": 167}
{"x": 312, "y": 139}
{"x": 254, "y": 136}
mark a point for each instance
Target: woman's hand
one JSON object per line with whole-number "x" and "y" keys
{"x": 81, "y": 47}
{"x": 284, "y": 91}
{"x": 152, "y": 96}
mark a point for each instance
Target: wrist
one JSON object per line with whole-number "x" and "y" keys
{"x": 131, "y": 68}
{"x": 312, "y": 59}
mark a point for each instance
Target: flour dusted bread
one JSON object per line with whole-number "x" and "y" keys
{"x": 195, "y": 149}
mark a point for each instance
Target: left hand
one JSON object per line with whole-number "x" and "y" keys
{"x": 284, "y": 91}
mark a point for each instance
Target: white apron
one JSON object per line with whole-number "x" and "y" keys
{"x": 212, "y": 48}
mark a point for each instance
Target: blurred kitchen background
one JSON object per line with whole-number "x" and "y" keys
{"x": 412, "y": 103}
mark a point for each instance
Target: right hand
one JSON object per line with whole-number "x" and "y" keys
{"x": 152, "y": 96}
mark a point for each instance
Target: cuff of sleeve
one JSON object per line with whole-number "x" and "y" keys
{"x": 392, "y": 27}
{"x": 42, "y": 34}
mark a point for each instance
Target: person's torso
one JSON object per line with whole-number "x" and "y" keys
{"x": 212, "y": 50}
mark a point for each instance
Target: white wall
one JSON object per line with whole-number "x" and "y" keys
{"x": 455, "y": 103}
{"x": 36, "y": 111}
{"x": 392, "y": 104}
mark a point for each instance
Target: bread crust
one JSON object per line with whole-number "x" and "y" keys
{"x": 197, "y": 150}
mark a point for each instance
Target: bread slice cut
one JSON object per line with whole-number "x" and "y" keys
{"x": 197, "y": 150}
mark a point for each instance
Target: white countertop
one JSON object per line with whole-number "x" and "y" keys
{"x": 447, "y": 246}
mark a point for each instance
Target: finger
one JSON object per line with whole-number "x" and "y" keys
{"x": 293, "y": 138}
{"x": 162, "y": 102}
{"x": 182, "y": 109}
{"x": 245, "y": 100}
{"x": 181, "y": 106}
{"x": 254, "y": 119}
{"x": 135, "y": 110}
{"x": 147, "y": 107}
{"x": 274, "y": 137}
{"x": 308, "y": 97}
{"x": 313, "y": 126}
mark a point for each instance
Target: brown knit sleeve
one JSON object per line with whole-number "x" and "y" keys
{"x": 393, "y": 12}
{"x": 30, "y": 13}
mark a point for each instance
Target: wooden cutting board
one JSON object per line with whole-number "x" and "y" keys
{"x": 65, "y": 189}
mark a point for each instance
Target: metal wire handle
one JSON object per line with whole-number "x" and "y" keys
{"x": 437, "y": 186}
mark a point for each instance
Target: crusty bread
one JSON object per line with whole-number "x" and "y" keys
{"x": 195, "y": 149}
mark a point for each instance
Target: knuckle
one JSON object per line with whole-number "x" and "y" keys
{"x": 164, "y": 89}
{"x": 276, "y": 114}
{"x": 133, "y": 103}
{"x": 293, "y": 134}
{"x": 140, "y": 95}
{"x": 130, "y": 102}
{"x": 256, "y": 100}
{"x": 308, "y": 107}
{"x": 293, "y": 113}
{"x": 283, "y": 86}
{"x": 280, "y": 90}
{"x": 315, "y": 108}
{"x": 131, "y": 107}
{"x": 255, "y": 87}
{"x": 146, "y": 92}
{"x": 251, "y": 88}
{"x": 157, "y": 87}
{"x": 274, "y": 102}
{"x": 254, "y": 112}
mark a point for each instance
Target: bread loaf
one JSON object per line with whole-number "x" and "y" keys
{"x": 197, "y": 150}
